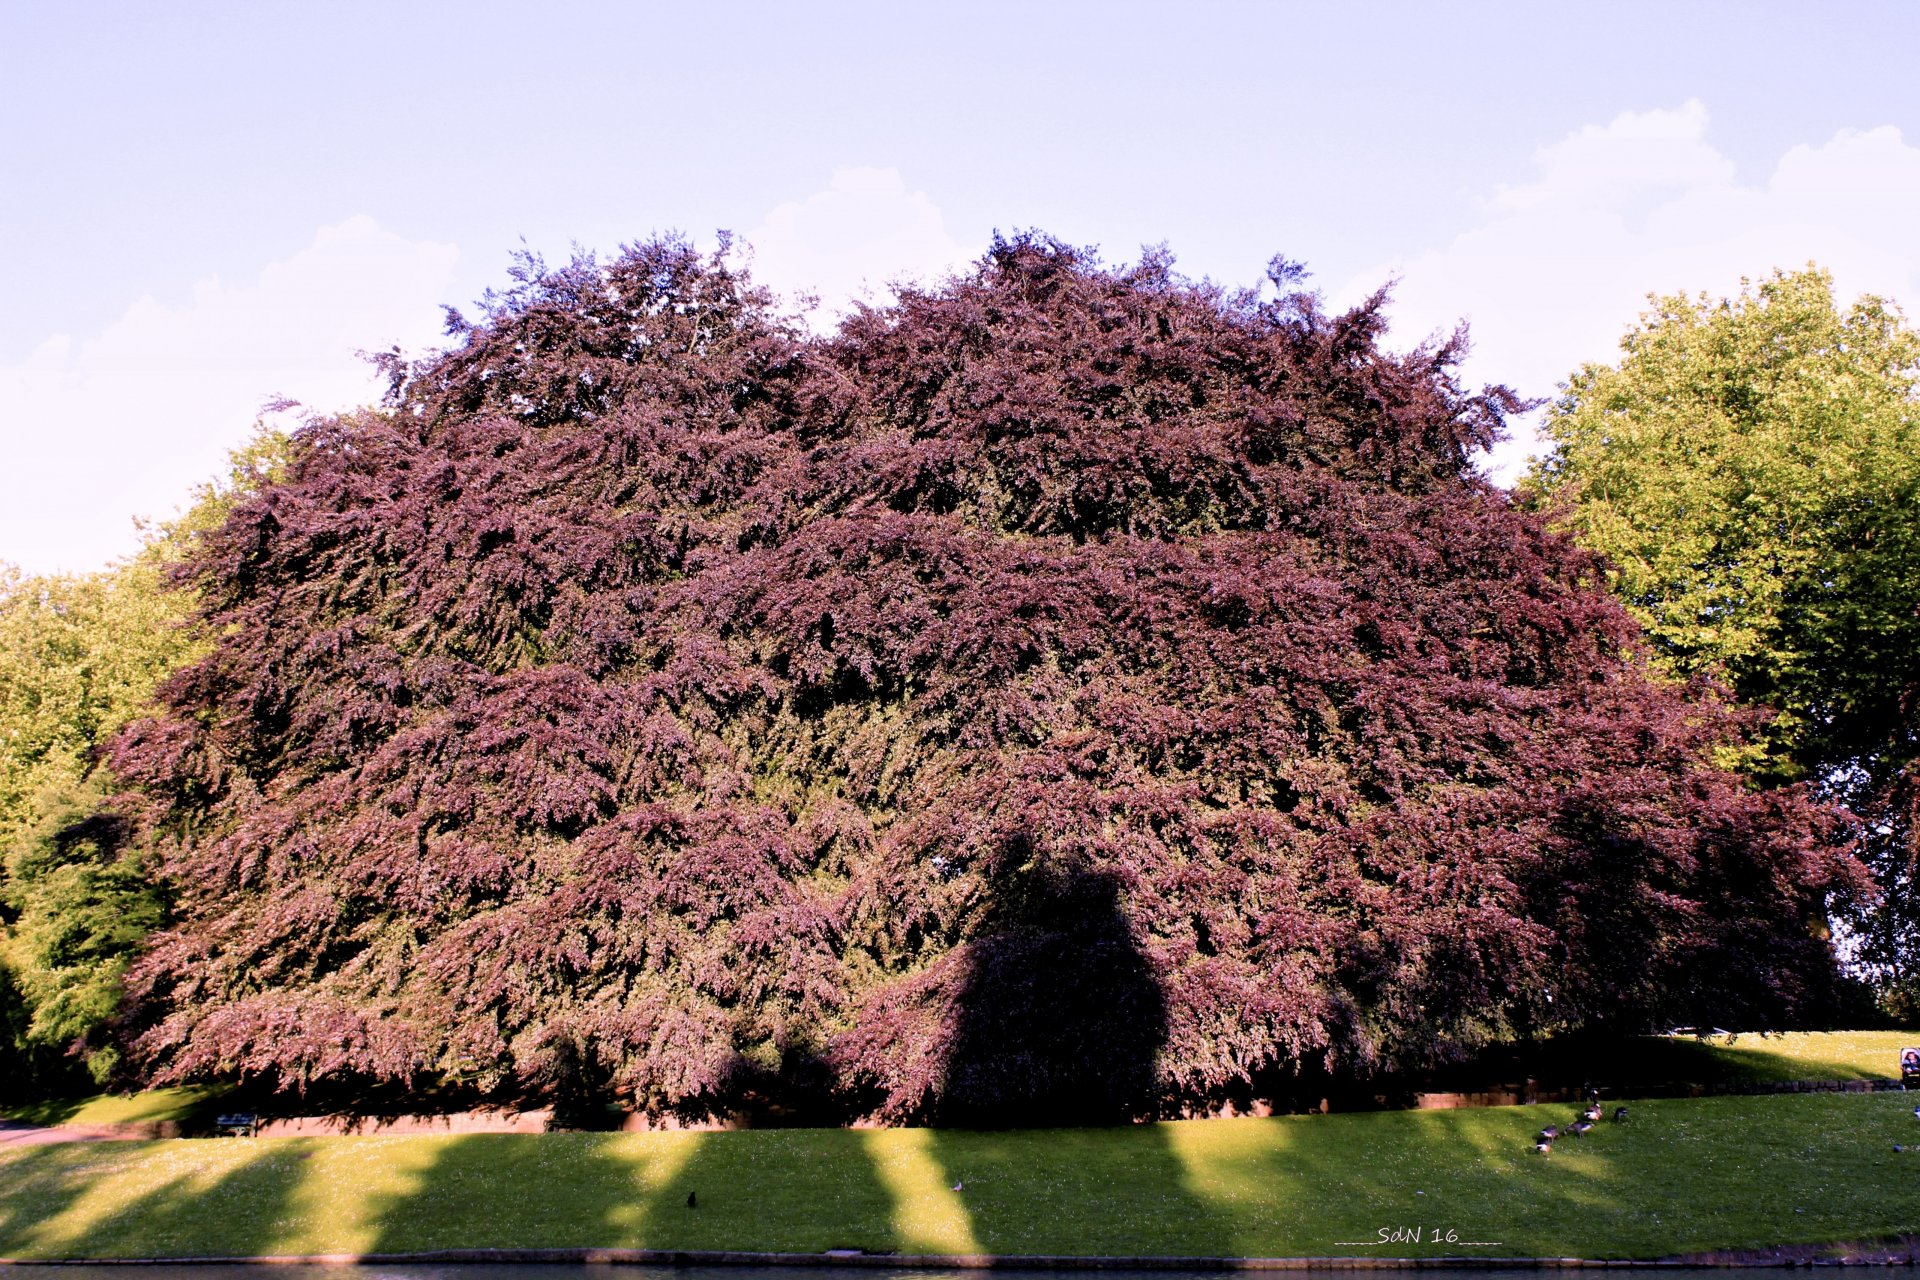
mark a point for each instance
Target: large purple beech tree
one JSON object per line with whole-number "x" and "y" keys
{"x": 1072, "y": 692}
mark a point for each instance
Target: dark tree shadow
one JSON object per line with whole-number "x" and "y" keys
{"x": 41, "y": 1183}
{"x": 787, "y": 1190}
{"x": 1059, "y": 1019}
{"x": 56, "y": 1206}
{"x": 803, "y": 1190}
{"x": 1059, "y": 1025}
{"x": 474, "y": 1191}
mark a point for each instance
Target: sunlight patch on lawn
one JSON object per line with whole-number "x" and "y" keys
{"x": 347, "y": 1189}
{"x": 657, "y": 1162}
{"x": 124, "y": 1196}
{"x": 929, "y": 1216}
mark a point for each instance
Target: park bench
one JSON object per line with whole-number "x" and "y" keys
{"x": 240, "y": 1124}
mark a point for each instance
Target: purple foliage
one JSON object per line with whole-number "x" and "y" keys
{"x": 1071, "y": 682}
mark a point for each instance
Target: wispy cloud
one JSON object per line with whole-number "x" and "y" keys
{"x": 866, "y": 230}
{"x": 123, "y": 423}
{"x": 1562, "y": 263}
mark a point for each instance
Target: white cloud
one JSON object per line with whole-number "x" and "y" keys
{"x": 1563, "y": 263}
{"x": 850, "y": 241}
{"x": 124, "y": 423}
{"x": 1639, "y": 155}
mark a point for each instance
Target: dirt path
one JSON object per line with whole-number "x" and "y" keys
{"x": 17, "y": 1133}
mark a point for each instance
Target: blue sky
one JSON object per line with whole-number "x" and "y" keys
{"x": 209, "y": 204}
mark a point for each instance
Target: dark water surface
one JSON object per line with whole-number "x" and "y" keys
{"x": 608, "y": 1271}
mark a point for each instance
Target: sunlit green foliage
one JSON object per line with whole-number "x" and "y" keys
{"x": 1751, "y": 468}
{"x": 80, "y": 655}
{"x": 85, "y": 902}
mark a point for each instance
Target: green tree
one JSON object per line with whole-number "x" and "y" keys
{"x": 1751, "y": 471}
{"x": 85, "y": 901}
{"x": 80, "y": 655}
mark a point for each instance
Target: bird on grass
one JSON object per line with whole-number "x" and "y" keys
{"x": 959, "y": 1184}
{"x": 1580, "y": 1128}
{"x": 1619, "y": 1115}
{"x": 1549, "y": 1133}
{"x": 692, "y": 1201}
{"x": 1544, "y": 1146}
{"x": 1592, "y": 1113}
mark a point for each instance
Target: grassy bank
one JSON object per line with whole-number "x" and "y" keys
{"x": 1682, "y": 1175}
{"x": 1745, "y": 1059}
{"x": 1728, "y": 1060}
{"x": 153, "y": 1106}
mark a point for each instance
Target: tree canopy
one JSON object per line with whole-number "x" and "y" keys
{"x": 1069, "y": 692}
{"x": 1751, "y": 471}
{"x": 80, "y": 656}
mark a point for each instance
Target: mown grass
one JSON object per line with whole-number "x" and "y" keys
{"x": 1749, "y": 1058}
{"x": 1777, "y": 1059}
{"x": 150, "y": 1106}
{"x": 1682, "y": 1175}
{"x": 1621, "y": 1066}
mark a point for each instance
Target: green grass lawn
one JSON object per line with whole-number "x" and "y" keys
{"x": 1749, "y": 1058}
{"x": 1683, "y": 1175}
{"x": 1621, "y": 1065}
{"x": 149, "y": 1107}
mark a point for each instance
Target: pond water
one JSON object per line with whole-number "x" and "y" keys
{"x": 607, "y": 1271}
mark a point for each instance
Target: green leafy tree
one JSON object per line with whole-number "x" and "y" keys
{"x": 86, "y": 900}
{"x": 1751, "y": 470}
{"x": 80, "y": 655}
